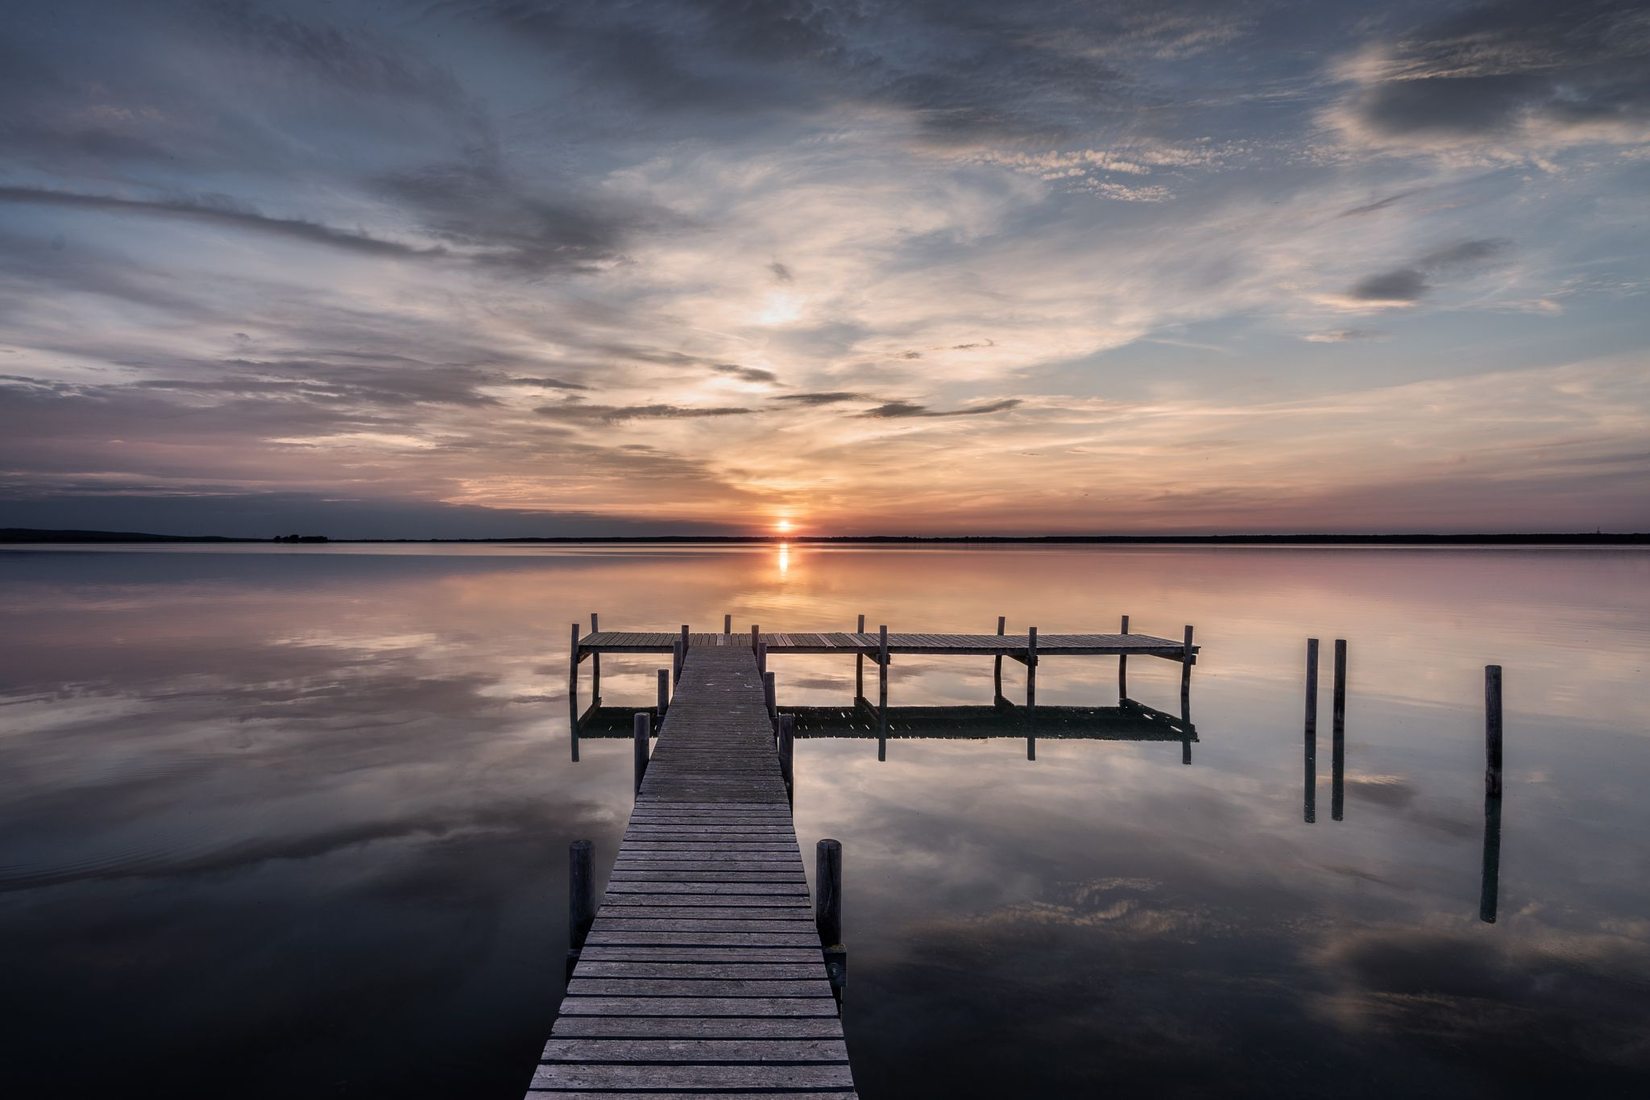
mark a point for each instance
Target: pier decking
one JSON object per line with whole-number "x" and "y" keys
{"x": 702, "y": 974}
{"x": 1017, "y": 646}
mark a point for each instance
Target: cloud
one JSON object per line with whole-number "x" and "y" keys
{"x": 832, "y": 397}
{"x": 1343, "y": 335}
{"x": 220, "y": 210}
{"x": 575, "y": 411}
{"x": 780, "y": 272}
{"x": 893, "y": 410}
{"x": 1406, "y": 285}
{"x": 1509, "y": 79}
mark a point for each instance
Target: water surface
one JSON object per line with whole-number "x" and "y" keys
{"x": 295, "y": 819}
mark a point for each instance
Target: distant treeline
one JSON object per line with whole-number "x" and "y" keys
{"x": 1596, "y": 538}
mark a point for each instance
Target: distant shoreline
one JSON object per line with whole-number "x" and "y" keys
{"x": 27, "y": 536}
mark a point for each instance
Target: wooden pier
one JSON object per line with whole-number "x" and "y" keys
{"x": 703, "y": 973}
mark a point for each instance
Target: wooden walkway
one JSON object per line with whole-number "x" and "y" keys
{"x": 1017, "y": 646}
{"x": 703, "y": 974}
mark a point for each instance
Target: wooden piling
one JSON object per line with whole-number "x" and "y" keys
{"x": 1186, "y": 660}
{"x": 573, "y": 692}
{"x": 1337, "y": 735}
{"x": 1123, "y": 666}
{"x": 1031, "y": 672}
{"x": 828, "y": 914}
{"x": 787, "y": 752}
{"x": 762, "y": 657}
{"x": 727, "y": 624}
{"x": 677, "y": 659}
{"x": 685, "y": 644}
{"x": 756, "y": 636}
{"x": 595, "y": 667}
{"x": 1492, "y": 730}
{"x": 581, "y": 899}
{"x": 664, "y": 693}
{"x": 997, "y": 664}
{"x": 770, "y": 696}
{"x": 882, "y": 683}
{"x": 1310, "y": 739}
{"x": 640, "y": 729}
{"x": 859, "y": 666}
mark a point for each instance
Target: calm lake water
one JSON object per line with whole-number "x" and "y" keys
{"x": 293, "y": 821}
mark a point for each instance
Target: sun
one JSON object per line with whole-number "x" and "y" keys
{"x": 783, "y": 526}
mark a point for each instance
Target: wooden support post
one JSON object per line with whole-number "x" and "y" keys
{"x": 573, "y": 692}
{"x": 727, "y": 624}
{"x": 664, "y": 694}
{"x": 1123, "y": 667}
{"x": 762, "y": 657}
{"x": 595, "y": 667}
{"x": 1337, "y": 735}
{"x": 677, "y": 659}
{"x": 756, "y": 636}
{"x": 1031, "y": 673}
{"x": 1492, "y": 730}
{"x": 1311, "y": 736}
{"x": 828, "y": 914}
{"x": 1186, "y": 750}
{"x": 997, "y": 666}
{"x": 581, "y": 899}
{"x": 1186, "y": 660}
{"x": 859, "y": 667}
{"x": 640, "y": 728}
{"x": 770, "y": 696}
{"x": 1489, "y": 887}
{"x": 882, "y": 692}
{"x": 685, "y": 642}
{"x": 787, "y": 753}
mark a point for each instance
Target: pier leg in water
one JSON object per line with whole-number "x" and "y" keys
{"x": 1489, "y": 890}
{"x": 581, "y": 899}
{"x": 762, "y": 657}
{"x": 1031, "y": 674}
{"x": 676, "y": 659}
{"x": 1311, "y": 737}
{"x": 595, "y": 669}
{"x": 1186, "y": 662}
{"x": 882, "y": 693}
{"x": 640, "y": 728}
{"x": 997, "y": 667}
{"x": 828, "y": 915}
{"x": 573, "y": 693}
{"x": 787, "y": 754}
{"x": 664, "y": 694}
{"x": 1337, "y": 735}
{"x": 1123, "y": 667}
{"x": 770, "y": 696}
{"x": 859, "y": 667}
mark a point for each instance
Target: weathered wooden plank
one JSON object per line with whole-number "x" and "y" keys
{"x": 703, "y": 954}
{"x": 721, "y": 970}
{"x": 698, "y": 987}
{"x": 700, "y": 938}
{"x": 701, "y": 1051}
{"x": 600, "y": 1076}
{"x": 700, "y": 1006}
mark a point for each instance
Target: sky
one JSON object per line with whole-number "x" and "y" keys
{"x": 486, "y": 268}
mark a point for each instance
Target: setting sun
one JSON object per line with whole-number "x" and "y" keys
{"x": 783, "y": 526}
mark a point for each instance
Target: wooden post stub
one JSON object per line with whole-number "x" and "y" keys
{"x": 685, "y": 642}
{"x": 1337, "y": 735}
{"x": 756, "y": 636}
{"x": 997, "y": 664}
{"x": 762, "y": 657}
{"x": 1492, "y": 730}
{"x": 573, "y": 692}
{"x": 859, "y": 667}
{"x": 828, "y": 892}
{"x": 770, "y": 696}
{"x": 581, "y": 893}
{"x": 882, "y": 680}
{"x": 1310, "y": 739}
{"x": 1186, "y": 660}
{"x": 727, "y": 624}
{"x": 1125, "y": 629}
{"x": 664, "y": 693}
{"x": 639, "y": 731}
{"x": 677, "y": 659}
{"x": 787, "y": 750}
{"x": 1031, "y": 671}
{"x": 1123, "y": 667}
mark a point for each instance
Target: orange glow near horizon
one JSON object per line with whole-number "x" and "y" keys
{"x": 784, "y": 526}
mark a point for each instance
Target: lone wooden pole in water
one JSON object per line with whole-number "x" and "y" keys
{"x": 1123, "y": 667}
{"x": 828, "y": 913}
{"x": 1489, "y": 889}
{"x": 639, "y": 731}
{"x": 581, "y": 899}
{"x": 1311, "y": 736}
{"x": 1337, "y": 735}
